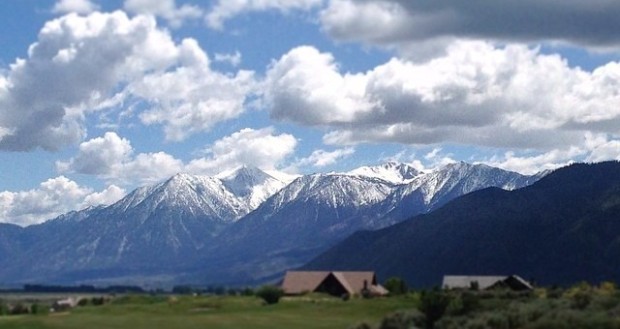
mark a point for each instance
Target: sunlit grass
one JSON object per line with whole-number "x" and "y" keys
{"x": 136, "y": 312}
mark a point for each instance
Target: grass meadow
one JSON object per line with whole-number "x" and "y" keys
{"x": 578, "y": 307}
{"x": 137, "y": 312}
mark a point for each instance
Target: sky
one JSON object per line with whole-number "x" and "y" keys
{"x": 100, "y": 97}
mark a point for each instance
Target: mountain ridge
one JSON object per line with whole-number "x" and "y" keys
{"x": 561, "y": 230}
{"x": 208, "y": 228}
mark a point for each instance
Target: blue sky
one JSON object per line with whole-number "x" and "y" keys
{"x": 97, "y": 98}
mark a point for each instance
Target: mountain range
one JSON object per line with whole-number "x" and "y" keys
{"x": 240, "y": 227}
{"x": 560, "y": 230}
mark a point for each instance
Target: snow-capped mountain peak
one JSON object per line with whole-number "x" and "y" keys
{"x": 393, "y": 172}
{"x": 242, "y": 181}
{"x": 251, "y": 185}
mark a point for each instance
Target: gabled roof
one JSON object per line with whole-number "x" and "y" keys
{"x": 353, "y": 282}
{"x": 466, "y": 281}
{"x": 485, "y": 282}
{"x": 516, "y": 282}
{"x": 356, "y": 280}
{"x": 301, "y": 282}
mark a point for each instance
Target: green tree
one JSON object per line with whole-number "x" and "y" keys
{"x": 396, "y": 286}
{"x": 270, "y": 294}
{"x": 4, "y": 309}
{"x": 433, "y": 305}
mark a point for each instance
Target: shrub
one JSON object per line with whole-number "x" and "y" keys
{"x": 396, "y": 286}
{"x": 247, "y": 292}
{"x": 362, "y": 325}
{"x": 20, "y": 308}
{"x": 433, "y": 305}
{"x": 35, "y": 308}
{"x": 97, "y": 301}
{"x": 464, "y": 304}
{"x": 4, "y": 309}
{"x": 403, "y": 320}
{"x": 581, "y": 300}
{"x": 270, "y": 294}
{"x": 83, "y": 302}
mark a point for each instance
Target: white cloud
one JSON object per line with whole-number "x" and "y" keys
{"x": 601, "y": 148}
{"x": 393, "y": 22}
{"x": 167, "y": 9}
{"x": 531, "y": 164}
{"x": 305, "y": 86}
{"x": 261, "y": 148}
{"x": 592, "y": 148}
{"x": 100, "y": 156}
{"x": 227, "y": 9}
{"x": 475, "y": 94}
{"x": 322, "y": 158}
{"x": 74, "y": 6}
{"x": 232, "y": 59}
{"x": 52, "y": 198}
{"x": 79, "y": 63}
{"x": 108, "y": 196}
{"x": 192, "y": 98}
{"x": 112, "y": 158}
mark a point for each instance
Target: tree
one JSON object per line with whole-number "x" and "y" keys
{"x": 433, "y": 305}
{"x": 396, "y": 286}
{"x": 270, "y": 294}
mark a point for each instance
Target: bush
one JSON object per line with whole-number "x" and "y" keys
{"x": 464, "y": 304}
{"x": 247, "y": 292}
{"x": 20, "y": 308}
{"x": 83, "y": 302}
{"x": 98, "y": 301}
{"x": 362, "y": 325}
{"x": 581, "y": 300}
{"x": 4, "y": 309}
{"x": 396, "y": 286}
{"x": 433, "y": 305}
{"x": 403, "y": 320}
{"x": 270, "y": 294}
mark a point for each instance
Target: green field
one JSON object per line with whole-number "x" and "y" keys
{"x": 579, "y": 307}
{"x": 136, "y": 312}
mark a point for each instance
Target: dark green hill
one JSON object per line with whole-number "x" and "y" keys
{"x": 563, "y": 229}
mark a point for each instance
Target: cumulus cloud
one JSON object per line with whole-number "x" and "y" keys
{"x": 79, "y": 63}
{"x": 476, "y": 94}
{"x": 305, "y": 86}
{"x": 108, "y": 196}
{"x": 52, "y": 198}
{"x": 166, "y": 9}
{"x": 593, "y": 147}
{"x": 322, "y": 158}
{"x": 261, "y": 148}
{"x": 193, "y": 97}
{"x": 112, "y": 158}
{"x": 232, "y": 59}
{"x": 74, "y": 6}
{"x": 226, "y": 9}
{"x": 592, "y": 23}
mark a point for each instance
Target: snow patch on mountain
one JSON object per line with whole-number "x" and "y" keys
{"x": 461, "y": 178}
{"x": 251, "y": 185}
{"x": 393, "y": 172}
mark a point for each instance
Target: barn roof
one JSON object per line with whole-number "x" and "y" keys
{"x": 297, "y": 282}
{"x": 301, "y": 282}
{"x": 485, "y": 281}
